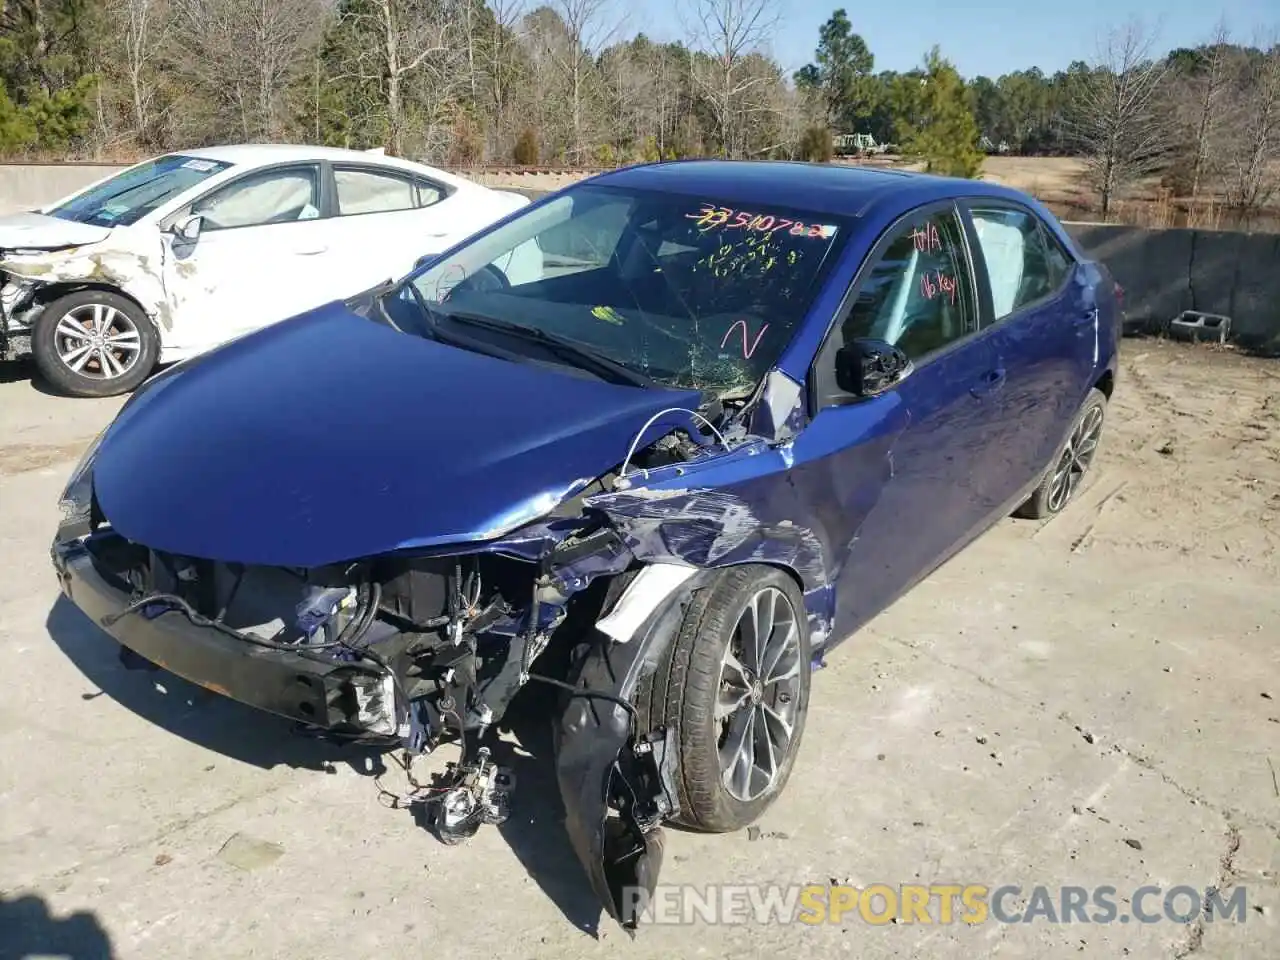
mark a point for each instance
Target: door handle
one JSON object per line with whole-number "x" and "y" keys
{"x": 1087, "y": 317}
{"x": 311, "y": 251}
{"x": 991, "y": 381}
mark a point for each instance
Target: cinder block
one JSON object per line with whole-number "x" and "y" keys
{"x": 1193, "y": 325}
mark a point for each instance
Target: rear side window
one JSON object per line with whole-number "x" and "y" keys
{"x": 919, "y": 294}
{"x": 369, "y": 191}
{"x": 1056, "y": 256}
{"x": 1024, "y": 263}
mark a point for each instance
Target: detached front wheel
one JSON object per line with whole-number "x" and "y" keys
{"x": 735, "y": 684}
{"x": 94, "y": 344}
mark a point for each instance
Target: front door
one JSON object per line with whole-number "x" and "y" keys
{"x": 259, "y": 258}
{"x": 904, "y": 472}
{"x": 1044, "y": 335}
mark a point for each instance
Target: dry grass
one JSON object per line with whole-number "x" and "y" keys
{"x": 1061, "y": 183}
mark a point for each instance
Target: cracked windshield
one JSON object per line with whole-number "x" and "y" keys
{"x": 682, "y": 291}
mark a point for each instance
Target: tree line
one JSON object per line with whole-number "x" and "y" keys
{"x": 578, "y": 82}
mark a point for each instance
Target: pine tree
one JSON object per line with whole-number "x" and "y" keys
{"x": 939, "y": 127}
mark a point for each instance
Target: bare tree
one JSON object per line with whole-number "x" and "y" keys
{"x": 590, "y": 26}
{"x": 407, "y": 38}
{"x": 1201, "y": 110}
{"x": 1116, "y": 116}
{"x": 501, "y": 63}
{"x": 245, "y": 54}
{"x": 142, "y": 26}
{"x": 1253, "y": 148}
{"x": 726, "y": 32}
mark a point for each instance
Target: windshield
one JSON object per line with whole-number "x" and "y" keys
{"x": 685, "y": 291}
{"x": 130, "y": 196}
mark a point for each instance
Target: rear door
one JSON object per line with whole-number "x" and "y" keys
{"x": 1040, "y": 308}
{"x": 387, "y": 219}
{"x": 903, "y": 472}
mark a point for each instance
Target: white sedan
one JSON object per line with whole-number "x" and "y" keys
{"x": 186, "y": 251}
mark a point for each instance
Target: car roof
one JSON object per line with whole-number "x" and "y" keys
{"x": 837, "y": 189}
{"x": 259, "y": 154}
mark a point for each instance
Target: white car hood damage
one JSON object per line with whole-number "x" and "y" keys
{"x": 39, "y": 231}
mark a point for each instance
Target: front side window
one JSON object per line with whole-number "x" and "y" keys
{"x": 919, "y": 294}
{"x": 369, "y": 191}
{"x": 129, "y": 196}
{"x": 1023, "y": 264}
{"x": 274, "y": 196}
{"x": 685, "y": 291}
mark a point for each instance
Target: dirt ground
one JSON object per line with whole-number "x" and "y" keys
{"x": 1095, "y": 700}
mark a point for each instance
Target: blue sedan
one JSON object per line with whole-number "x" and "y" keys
{"x": 658, "y": 442}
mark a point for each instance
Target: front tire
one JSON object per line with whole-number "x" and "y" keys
{"x": 94, "y": 343}
{"x": 1072, "y": 462}
{"x": 735, "y": 685}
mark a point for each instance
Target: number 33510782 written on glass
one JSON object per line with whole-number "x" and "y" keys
{"x": 710, "y": 218}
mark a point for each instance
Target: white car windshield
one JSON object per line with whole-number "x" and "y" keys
{"x": 131, "y": 195}
{"x": 685, "y": 291}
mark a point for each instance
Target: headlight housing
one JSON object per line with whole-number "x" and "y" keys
{"x": 77, "y": 496}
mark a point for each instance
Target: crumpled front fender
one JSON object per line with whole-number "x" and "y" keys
{"x": 616, "y": 781}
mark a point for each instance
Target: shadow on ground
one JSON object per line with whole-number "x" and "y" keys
{"x": 17, "y": 371}
{"x": 29, "y": 930}
{"x": 534, "y": 831}
{"x": 191, "y": 712}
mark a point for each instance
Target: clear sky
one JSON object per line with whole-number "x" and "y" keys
{"x": 985, "y": 36}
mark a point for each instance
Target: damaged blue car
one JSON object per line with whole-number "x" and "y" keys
{"x": 659, "y": 440}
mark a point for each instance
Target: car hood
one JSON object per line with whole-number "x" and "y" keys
{"x": 331, "y": 437}
{"x": 38, "y": 231}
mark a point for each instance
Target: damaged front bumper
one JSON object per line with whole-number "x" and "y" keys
{"x": 314, "y": 691}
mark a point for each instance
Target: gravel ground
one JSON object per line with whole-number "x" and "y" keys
{"x": 1091, "y": 701}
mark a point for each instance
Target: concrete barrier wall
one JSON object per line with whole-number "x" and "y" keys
{"x": 1164, "y": 272}
{"x": 25, "y": 186}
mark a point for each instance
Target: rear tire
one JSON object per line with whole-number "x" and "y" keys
{"x": 94, "y": 343}
{"x": 1070, "y": 463}
{"x": 733, "y": 763}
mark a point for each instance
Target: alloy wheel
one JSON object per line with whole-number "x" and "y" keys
{"x": 97, "y": 341}
{"x": 759, "y": 695}
{"x": 1075, "y": 459}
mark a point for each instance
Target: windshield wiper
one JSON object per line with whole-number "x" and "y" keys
{"x": 582, "y": 357}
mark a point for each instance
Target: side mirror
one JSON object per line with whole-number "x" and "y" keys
{"x": 188, "y": 228}
{"x": 866, "y": 368}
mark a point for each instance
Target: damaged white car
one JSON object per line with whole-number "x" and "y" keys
{"x": 186, "y": 251}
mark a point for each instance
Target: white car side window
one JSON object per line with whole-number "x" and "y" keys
{"x": 364, "y": 191}
{"x": 274, "y": 197}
